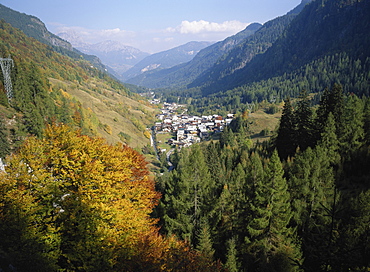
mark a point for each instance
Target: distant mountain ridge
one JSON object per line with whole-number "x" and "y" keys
{"x": 166, "y": 59}
{"x": 185, "y": 73}
{"x": 115, "y": 55}
{"x": 323, "y": 28}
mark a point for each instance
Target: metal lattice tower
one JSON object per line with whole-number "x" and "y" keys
{"x": 6, "y": 66}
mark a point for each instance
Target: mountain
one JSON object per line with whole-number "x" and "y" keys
{"x": 32, "y": 27}
{"x": 323, "y": 28}
{"x": 237, "y": 58}
{"x": 35, "y": 28}
{"x": 50, "y": 87}
{"x": 166, "y": 59}
{"x": 113, "y": 54}
{"x": 185, "y": 73}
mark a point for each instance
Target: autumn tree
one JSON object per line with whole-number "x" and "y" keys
{"x": 94, "y": 199}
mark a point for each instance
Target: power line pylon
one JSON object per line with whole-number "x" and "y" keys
{"x": 6, "y": 66}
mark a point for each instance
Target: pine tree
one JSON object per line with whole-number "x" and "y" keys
{"x": 194, "y": 191}
{"x": 205, "y": 244}
{"x": 303, "y": 118}
{"x": 331, "y": 101}
{"x": 286, "y": 137}
{"x": 329, "y": 140}
{"x": 232, "y": 263}
{"x": 260, "y": 210}
{"x": 311, "y": 185}
{"x": 283, "y": 252}
{"x": 352, "y": 136}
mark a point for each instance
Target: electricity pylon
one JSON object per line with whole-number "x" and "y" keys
{"x": 6, "y": 66}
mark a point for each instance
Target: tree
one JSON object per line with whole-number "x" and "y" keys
{"x": 312, "y": 189}
{"x": 193, "y": 192}
{"x": 352, "y": 136}
{"x": 331, "y": 101}
{"x": 232, "y": 263}
{"x": 4, "y": 142}
{"x": 303, "y": 119}
{"x": 286, "y": 137}
{"x": 94, "y": 199}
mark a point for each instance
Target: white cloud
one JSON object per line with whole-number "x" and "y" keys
{"x": 156, "y": 40}
{"x": 198, "y": 27}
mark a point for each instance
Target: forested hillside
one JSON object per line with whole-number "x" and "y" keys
{"x": 323, "y": 29}
{"x": 49, "y": 87}
{"x": 326, "y": 43}
{"x": 299, "y": 202}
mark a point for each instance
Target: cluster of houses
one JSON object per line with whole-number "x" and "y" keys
{"x": 188, "y": 129}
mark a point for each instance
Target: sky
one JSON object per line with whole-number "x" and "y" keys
{"x": 151, "y": 25}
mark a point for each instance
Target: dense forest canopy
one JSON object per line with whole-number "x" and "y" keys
{"x": 296, "y": 203}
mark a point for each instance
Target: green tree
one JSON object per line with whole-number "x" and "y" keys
{"x": 303, "y": 118}
{"x": 311, "y": 185}
{"x": 4, "y": 140}
{"x": 194, "y": 192}
{"x": 285, "y": 141}
{"x": 331, "y": 101}
{"x": 232, "y": 263}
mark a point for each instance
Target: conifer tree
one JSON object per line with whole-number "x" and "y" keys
{"x": 312, "y": 188}
{"x": 205, "y": 244}
{"x": 329, "y": 140}
{"x": 286, "y": 137}
{"x": 283, "y": 250}
{"x": 352, "y": 137}
{"x": 303, "y": 119}
{"x": 260, "y": 210}
{"x": 232, "y": 262}
{"x": 194, "y": 192}
{"x": 331, "y": 101}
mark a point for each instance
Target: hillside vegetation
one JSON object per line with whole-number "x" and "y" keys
{"x": 69, "y": 91}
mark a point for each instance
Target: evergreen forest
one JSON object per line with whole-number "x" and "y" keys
{"x": 299, "y": 202}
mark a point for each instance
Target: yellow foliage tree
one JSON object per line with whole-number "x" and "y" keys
{"x": 96, "y": 197}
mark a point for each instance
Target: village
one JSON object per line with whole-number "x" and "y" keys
{"x": 188, "y": 129}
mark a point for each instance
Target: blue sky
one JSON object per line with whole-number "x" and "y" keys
{"x": 151, "y": 25}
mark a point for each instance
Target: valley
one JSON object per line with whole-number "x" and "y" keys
{"x": 249, "y": 153}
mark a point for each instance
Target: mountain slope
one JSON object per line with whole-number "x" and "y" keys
{"x": 166, "y": 59}
{"x": 50, "y": 87}
{"x": 322, "y": 29}
{"x": 242, "y": 54}
{"x": 183, "y": 74}
{"x": 35, "y": 28}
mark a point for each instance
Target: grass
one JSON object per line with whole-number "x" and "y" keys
{"x": 259, "y": 121}
{"x": 162, "y": 138}
{"x": 105, "y": 103}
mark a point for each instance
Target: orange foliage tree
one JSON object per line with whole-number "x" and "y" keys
{"x": 75, "y": 203}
